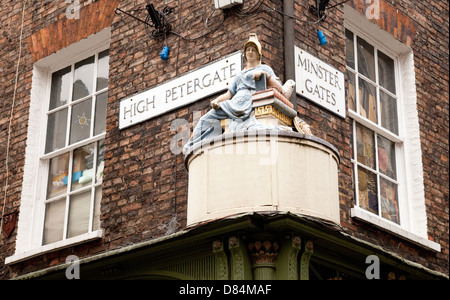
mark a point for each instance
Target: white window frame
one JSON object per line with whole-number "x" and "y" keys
{"x": 413, "y": 224}
{"x": 378, "y": 130}
{"x": 32, "y": 206}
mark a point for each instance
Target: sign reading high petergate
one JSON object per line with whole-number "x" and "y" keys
{"x": 319, "y": 82}
{"x": 178, "y": 92}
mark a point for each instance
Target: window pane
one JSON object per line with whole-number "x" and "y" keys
{"x": 103, "y": 70}
{"x": 54, "y": 221}
{"x": 365, "y": 146}
{"x": 367, "y": 190}
{"x": 83, "y": 166}
{"x": 366, "y": 59}
{"x": 79, "y": 214}
{"x": 60, "y": 90}
{"x": 57, "y": 178}
{"x": 98, "y": 197}
{"x": 81, "y": 121}
{"x": 389, "y": 201}
{"x": 350, "y": 50}
{"x": 367, "y": 100}
{"x": 386, "y": 73}
{"x": 388, "y": 106}
{"x": 386, "y": 157}
{"x": 83, "y": 78}
{"x": 100, "y": 114}
{"x": 351, "y": 91}
{"x": 100, "y": 161}
{"x": 56, "y": 131}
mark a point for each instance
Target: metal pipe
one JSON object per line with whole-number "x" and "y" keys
{"x": 289, "y": 58}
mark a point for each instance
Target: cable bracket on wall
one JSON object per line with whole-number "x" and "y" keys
{"x": 156, "y": 21}
{"x": 321, "y": 8}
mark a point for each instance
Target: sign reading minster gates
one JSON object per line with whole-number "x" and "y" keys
{"x": 319, "y": 82}
{"x": 183, "y": 90}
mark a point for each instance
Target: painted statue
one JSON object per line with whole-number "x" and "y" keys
{"x": 236, "y": 103}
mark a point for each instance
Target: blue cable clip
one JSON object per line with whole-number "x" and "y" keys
{"x": 164, "y": 53}
{"x": 322, "y": 38}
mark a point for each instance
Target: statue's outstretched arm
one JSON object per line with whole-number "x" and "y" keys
{"x": 215, "y": 103}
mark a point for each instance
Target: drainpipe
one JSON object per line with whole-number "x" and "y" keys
{"x": 289, "y": 58}
{"x": 289, "y": 67}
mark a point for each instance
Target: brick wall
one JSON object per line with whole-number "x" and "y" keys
{"x": 11, "y": 20}
{"x": 432, "y": 75}
{"x": 145, "y": 184}
{"x": 72, "y": 28}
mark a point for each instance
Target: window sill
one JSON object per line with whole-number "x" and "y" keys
{"x": 87, "y": 237}
{"x": 363, "y": 215}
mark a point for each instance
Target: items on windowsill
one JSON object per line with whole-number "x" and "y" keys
{"x": 87, "y": 176}
{"x": 76, "y": 176}
{"x": 59, "y": 182}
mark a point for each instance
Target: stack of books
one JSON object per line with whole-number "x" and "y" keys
{"x": 272, "y": 106}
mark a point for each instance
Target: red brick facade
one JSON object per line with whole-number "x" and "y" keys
{"x": 145, "y": 184}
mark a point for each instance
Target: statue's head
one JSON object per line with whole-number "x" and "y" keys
{"x": 253, "y": 40}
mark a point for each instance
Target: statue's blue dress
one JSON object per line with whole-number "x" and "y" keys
{"x": 238, "y": 109}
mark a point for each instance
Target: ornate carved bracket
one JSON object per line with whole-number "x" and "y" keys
{"x": 304, "y": 263}
{"x": 287, "y": 258}
{"x": 221, "y": 261}
{"x": 240, "y": 265}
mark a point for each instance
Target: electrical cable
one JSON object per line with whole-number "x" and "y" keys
{"x": 254, "y": 10}
{"x": 166, "y": 28}
{"x": 160, "y": 31}
{"x": 251, "y": 11}
{"x": 337, "y": 4}
{"x": 12, "y": 116}
{"x": 206, "y": 25}
{"x": 179, "y": 38}
{"x": 295, "y": 18}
